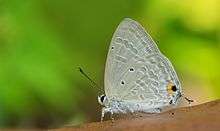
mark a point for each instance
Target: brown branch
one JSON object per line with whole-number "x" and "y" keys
{"x": 202, "y": 117}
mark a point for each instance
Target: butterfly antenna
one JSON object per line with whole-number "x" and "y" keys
{"x": 93, "y": 83}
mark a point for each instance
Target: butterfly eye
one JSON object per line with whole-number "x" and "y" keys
{"x": 112, "y": 47}
{"x": 122, "y": 82}
{"x": 102, "y": 98}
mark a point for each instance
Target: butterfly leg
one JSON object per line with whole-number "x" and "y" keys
{"x": 103, "y": 113}
{"x": 112, "y": 118}
{"x": 105, "y": 110}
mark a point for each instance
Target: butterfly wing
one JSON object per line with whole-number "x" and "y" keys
{"x": 135, "y": 68}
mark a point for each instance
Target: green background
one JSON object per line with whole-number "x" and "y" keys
{"x": 42, "y": 42}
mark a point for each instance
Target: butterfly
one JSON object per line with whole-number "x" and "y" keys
{"x": 138, "y": 77}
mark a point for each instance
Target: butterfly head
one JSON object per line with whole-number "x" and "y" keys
{"x": 174, "y": 91}
{"x": 102, "y": 99}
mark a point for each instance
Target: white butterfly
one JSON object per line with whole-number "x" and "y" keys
{"x": 138, "y": 77}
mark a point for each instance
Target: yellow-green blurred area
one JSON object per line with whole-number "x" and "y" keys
{"x": 43, "y": 42}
